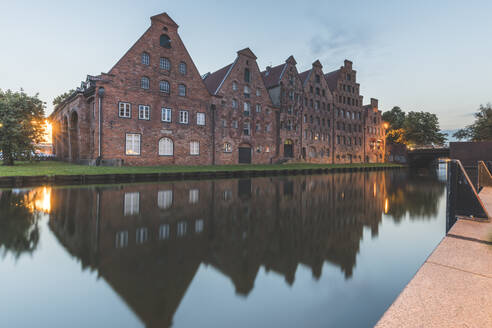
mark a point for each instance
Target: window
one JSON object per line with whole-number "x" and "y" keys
{"x": 267, "y": 149}
{"x": 234, "y": 124}
{"x": 246, "y": 91}
{"x": 200, "y": 118}
{"x": 142, "y": 235}
{"x": 132, "y": 144}
{"x": 145, "y": 59}
{"x": 164, "y": 199}
{"x": 258, "y": 92}
{"x": 247, "y": 75}
{"x": 234, "y": 103}
{"x": 166, "y": 147}
{"x": 199, "y": 226}
{"x": 194, "y": 196}
{"x": 224, "y": 123}
{"x": 164, "y": 231}
{"x": 258, "y": 127}
{"x": 317, "y": 91}
{"x": 291, "y": 95}
{"x": 166, "y": 115}
{"x": 121, "y": 239}
{"x": 165, "y": 41}
{"x": 183, "y": 116}
{"x": 164, "y": 63}
{"x": 131, "y": 203}
{"x": 258, "y": 108}
{"x": 145, "y": 82}
{"x": 234, "y": 85}
{"x": 182, "y": 226}
{"x": 143, "y": 112}
{"x": 125, "y": 110}
{"x": 247, "y": 129}
{"x": 349, "y": 77}
{"x": 247, "y": 108}
{"x": 182, "y": 68}
{"x": 318, "y": 79}
{"x": 268, "y": 127}
{"x": 227, "y": 147}
{"x": 194, "y": 148}
{"x": 290, "y": 110}
{"x": 182, "y": 90}
{"x": 164, "y": 87}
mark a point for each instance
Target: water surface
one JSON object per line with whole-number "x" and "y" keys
{"x": 328, "y": 250}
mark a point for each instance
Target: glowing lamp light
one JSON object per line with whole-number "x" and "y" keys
{"x": 386, "y": 206}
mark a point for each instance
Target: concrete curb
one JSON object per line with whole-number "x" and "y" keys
{"x": 32, "y": 181}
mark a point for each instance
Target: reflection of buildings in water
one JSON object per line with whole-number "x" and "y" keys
{"x": 148, "y": 240}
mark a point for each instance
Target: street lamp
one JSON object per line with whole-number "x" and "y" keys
{"x": 385, "y": 126}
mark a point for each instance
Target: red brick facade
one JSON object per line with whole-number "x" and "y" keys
{"x": 154, "y": 108}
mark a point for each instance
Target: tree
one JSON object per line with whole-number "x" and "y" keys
{"x": 395, "y": 117}
{"x": 61, "y": 98}
{"x": 21, "y": 124}
{"x": 422, "y": 128}
{"x": 481, "y": 129}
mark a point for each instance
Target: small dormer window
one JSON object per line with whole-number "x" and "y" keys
{"x": 182, "y": 68}
{"x": 145, "y": 59}
{"x": 165, "y": 41}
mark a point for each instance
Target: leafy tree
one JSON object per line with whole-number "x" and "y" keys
{"x": 21, "y": 124}
{"x": 395, "y": 117}
{"x": 422, "y": 128}
{"x": 481, "y": 129}
{"x": 59, "y": 99}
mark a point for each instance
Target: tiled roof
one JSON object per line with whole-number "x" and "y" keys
{"x": 304, "y": 76}
{"x": 271, "y": 76}
{"x": 213, "y": 80}
{"x": 332, "y": 79}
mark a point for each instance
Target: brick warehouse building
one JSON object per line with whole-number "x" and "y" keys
{"x": 154, "y": 108}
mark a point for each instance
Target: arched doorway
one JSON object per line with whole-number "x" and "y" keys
{"x": 64, "y": 139}
{"x": 244, "y": 154}
{"x": 74, "y": 137}
{"x": 288, "y": 148}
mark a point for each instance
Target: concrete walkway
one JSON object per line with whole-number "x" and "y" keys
{"x": 453, "y": 288}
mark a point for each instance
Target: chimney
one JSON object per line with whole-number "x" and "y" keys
{"x": 347, "y": 63}
{"x": 374, "y": 103}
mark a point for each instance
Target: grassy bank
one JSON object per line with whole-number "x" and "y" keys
{"x": 60, "y": 168}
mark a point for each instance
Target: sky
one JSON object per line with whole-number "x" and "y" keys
{"x": 433, "y": 56}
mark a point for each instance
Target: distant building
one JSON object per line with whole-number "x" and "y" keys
{"x": 154, "y": 108}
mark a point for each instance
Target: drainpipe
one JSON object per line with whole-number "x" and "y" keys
{"x": 100, "y": 93}
{"x": 212, "y": 110}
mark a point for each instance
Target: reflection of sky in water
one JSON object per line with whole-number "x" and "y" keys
{"x": 48, "y": 288}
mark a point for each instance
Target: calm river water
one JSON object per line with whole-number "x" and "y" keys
{"x": 330, "y": 250}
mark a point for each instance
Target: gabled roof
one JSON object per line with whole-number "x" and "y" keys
{"x": 213, "y": 81}
{"x": 304, "y": 76}
{"x": 164, "y": 18}
{"x": 332, "y": 79}
{"x": 247, "y": 52}
{"x": 272, "y": 75}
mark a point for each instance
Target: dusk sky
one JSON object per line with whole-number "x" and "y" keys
{"x": 420, "y": 55}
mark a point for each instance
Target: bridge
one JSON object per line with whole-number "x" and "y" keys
{"x": 424, "y": 157}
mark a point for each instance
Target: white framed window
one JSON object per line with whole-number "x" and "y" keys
{"x": 234, "y": 85}
{"x": 125, "y": 110}
{"x": 143, "y": 112}
{"x": 258, "y": 127}
{"x": 121, "y": 240}
{"x": 234, "y": 103}
{"x": 164, "y": 63}
{"x": 199, "y": 226}
{"x": 164, "y": 231}
{"x": 258, "y": 108}
{"x": 164, "y": 87}
{"x": 268, "y": 127}
{"x": 132, "y": 144}
{"x": 246, "y": 129}
{"x": 166, "y": 147}
{"x": 194, "y": 196}
{"x": 182, "y": 68}
{"x": 166, "y": 114}
{"x": 224, "y": 123}
{"x": 258, "y": 92}
{"x": 182, "y": 227}
{"x": 227, "y": 194}
{"x": 247, "y": 108}
{"x": 227, "y": 147}
{"x": 131, "y": 203}
{"x": 182, "y": 90}
{"x": 234, "y": 124}
{"x": 200, "y": 118}
{"x": 142, "y": 235}
{"x": 183, "y": 116}
{"x": 246, "y": 91}
{"x": 194, "y": 148}
{"x": 145, "y": 59}
{"x": 165, "y": 199}
{"x": 145, "y": 83}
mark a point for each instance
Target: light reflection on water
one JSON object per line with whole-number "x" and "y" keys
{"x": 314, "y": 251}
